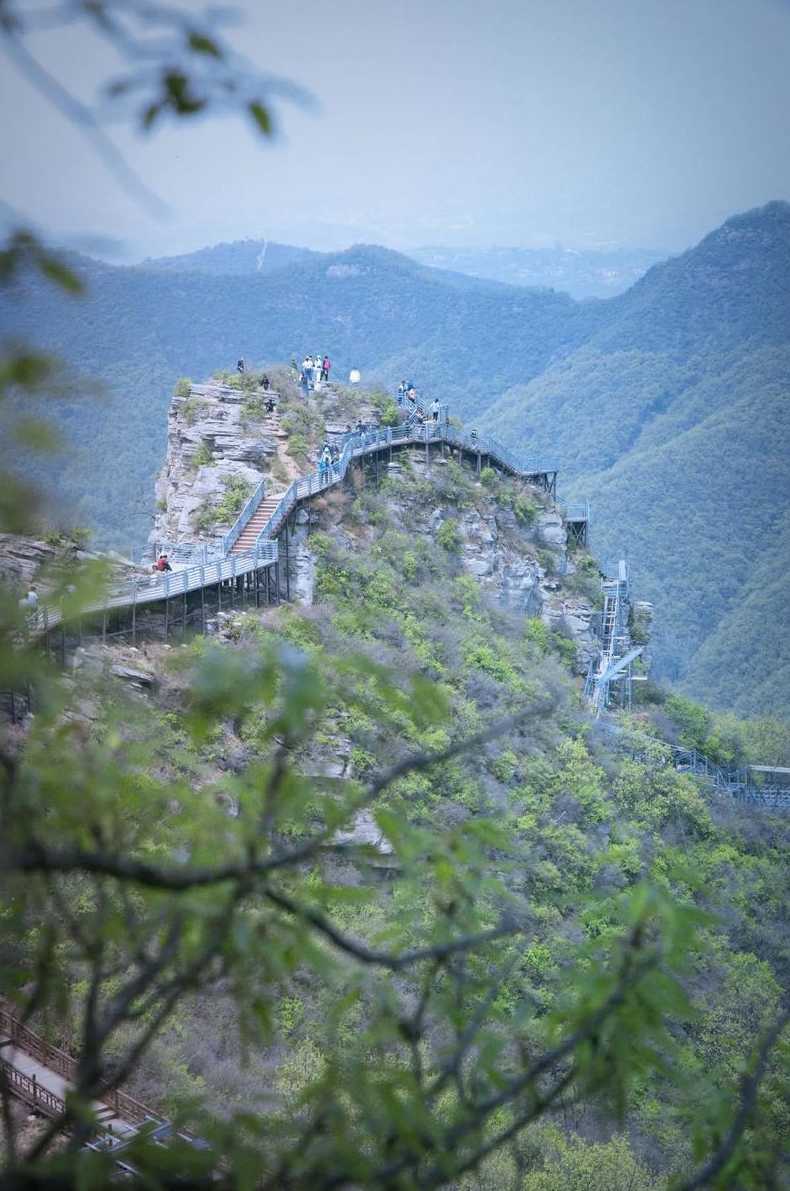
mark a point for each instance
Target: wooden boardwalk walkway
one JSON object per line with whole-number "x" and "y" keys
{"x": 41, "y": 1075}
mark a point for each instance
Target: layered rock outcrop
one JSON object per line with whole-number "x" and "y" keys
{"x": 216, "y": 434}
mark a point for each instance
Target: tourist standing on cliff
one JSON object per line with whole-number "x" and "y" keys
{"x": 307, "y": 372}
{"x": 29, "y": 601}
{"x": 326, "y": 364}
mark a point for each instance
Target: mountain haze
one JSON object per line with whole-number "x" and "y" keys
{"x": 139, "y": 329}
{"x": 583, "y": 273}
{"x": 667, "y": 404}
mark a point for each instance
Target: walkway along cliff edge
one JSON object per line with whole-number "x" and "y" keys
{"x": 241, "y": 568}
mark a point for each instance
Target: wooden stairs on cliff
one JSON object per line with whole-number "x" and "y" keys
{"x": 249, "y": 535}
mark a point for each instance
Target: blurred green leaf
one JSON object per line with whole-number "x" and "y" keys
{"x": 36, "y": 434}
{"x": 201, "y": 44}
{"x": 56, "y": 271}
{"x": 261, "y": 116}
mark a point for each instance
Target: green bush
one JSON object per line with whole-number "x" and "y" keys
{"x": 183, "y": 387}
{"x": 526, "y": 510}
{"x": 537, "y": 633}
{"x": 236, "y": 491}
{"x": 565, "y": 647}
{"x": 298, "y": 447}
{"x": 191, "y": 408}
{"x": 203, "y": 455}
{"x": 390, "y": 415}
{"x": 448, "y": 537}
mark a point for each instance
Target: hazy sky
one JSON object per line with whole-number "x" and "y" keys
{"x": 638, "y": 122}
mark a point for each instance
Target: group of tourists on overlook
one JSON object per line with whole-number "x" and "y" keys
{"x": 314, "y": 369}
{"x": 407, "y": 396}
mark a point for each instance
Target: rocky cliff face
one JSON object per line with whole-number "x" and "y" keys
{"x": 522, "y": 563}
{"x": 221, "y": 443}
{"x": 217, "y": 439}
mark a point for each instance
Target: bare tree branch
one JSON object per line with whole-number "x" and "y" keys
{"x": 749, "y": 1088}
{"x": 385, "y": 959}
{"x": 183, "y": 68}
{"x": 36, "y": 856}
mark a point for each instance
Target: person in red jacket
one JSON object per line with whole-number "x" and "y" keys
{"x": 326, "y": 364}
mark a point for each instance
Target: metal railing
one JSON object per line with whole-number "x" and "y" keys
{"x": 737, "y": 782}
{"x": 148, "y": 589}
{"x": 165, "y": 584}
{"x": 366, "y": 442}
{"x": 205, "y": 564}
{"x": 189, "y": 553}
{"x": 61, "y": 1063}
{"x": 28, "y": 1088}
{"x": 576, "y": 512}
{"x": 33, "y": 1091}
{"x": 244, "y": 517}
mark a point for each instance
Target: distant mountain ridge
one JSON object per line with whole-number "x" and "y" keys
{"x": 668, "y": 403}
{"x": 593, "y": 273}
{"x": 582, "y": 273}
{"x": 238, "y": 258}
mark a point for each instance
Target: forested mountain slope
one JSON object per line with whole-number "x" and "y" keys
{"x": 673, "y": 416}
{"x": 403, "y": 899}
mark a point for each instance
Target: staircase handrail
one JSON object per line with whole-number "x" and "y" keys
{"x": 247, "y": 512}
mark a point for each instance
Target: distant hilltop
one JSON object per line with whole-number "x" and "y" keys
{"x": 582, "y": 273}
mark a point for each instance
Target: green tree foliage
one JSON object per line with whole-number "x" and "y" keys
{"x": 549, "y": 944}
